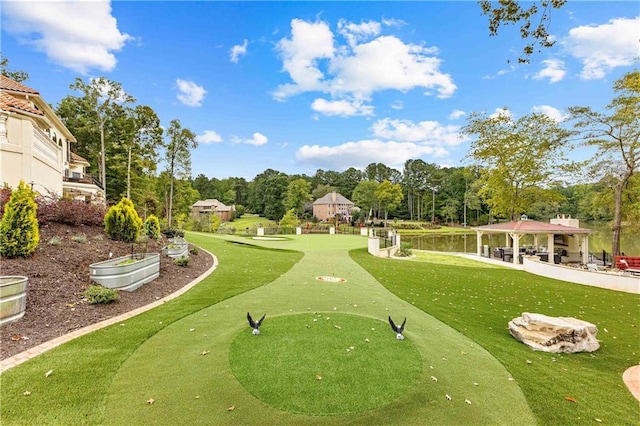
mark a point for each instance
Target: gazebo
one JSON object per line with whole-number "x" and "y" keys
{"x": 515, "y": 230}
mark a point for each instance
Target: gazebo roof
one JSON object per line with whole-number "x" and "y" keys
{"x": 530, "y": 227}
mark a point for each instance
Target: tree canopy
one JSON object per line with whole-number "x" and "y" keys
{"x": 615, "y": 135}
{"x": 519, "y": 159}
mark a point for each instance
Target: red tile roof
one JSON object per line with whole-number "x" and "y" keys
{"x": 11, "y": 103}
{"x": 531, "y": 227}
{"x": 7, "y": 84}
{"x": 78, "y": 159}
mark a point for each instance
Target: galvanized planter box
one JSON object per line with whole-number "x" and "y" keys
{"x": 126, "y": 272}
{"x": 13, "y": 298}
{"x": 176, "y": 250}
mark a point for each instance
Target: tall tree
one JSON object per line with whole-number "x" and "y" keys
{"x": 389, "y": 195}
{"x": 99, "y": 97}
{"x": 615, "y": 135}
{"x": 178, "y": 158}
{"x": 274, "y": 188}
{"x": 349, "y": 179}
{"x": 256, "y": 191}
{"x": 512, "y": 12}
{"x": 364, "y": 196}
{"x": 298, "y": 193}
{"x": 518, "y": 158}
{"x": 381, "y": 172}
{"x": 141, "y": 137}
{"x": 322, "y": 190}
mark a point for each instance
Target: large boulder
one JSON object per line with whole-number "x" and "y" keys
{"x": 554, "y": 334}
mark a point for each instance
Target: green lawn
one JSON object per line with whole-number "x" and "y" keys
{"x": 479, "y": 301}
{"x": 83, "y": 369}
{"x": 249, "y": 221}
{"x": 196, "y": 360}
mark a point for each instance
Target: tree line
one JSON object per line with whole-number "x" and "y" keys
{"x": 514, "y": 166}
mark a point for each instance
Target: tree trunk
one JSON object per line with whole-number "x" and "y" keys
{"x": 129, "y": 174}
{"x": 103, "y": 161}
{"x": 170, "y": 213}
{"x": 617, "y": 215}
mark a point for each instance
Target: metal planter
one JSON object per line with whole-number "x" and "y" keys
{"x": 13, "y": 298}
{"x": 126, "y": 272}
{"x": 176, "y": 250}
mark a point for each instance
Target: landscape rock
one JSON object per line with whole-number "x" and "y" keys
{"x": 554, "y": 334}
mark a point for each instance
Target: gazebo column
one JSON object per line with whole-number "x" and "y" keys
{"x": 535, "y": 242}
{"x": 516, "y": 247}
{"x": 479, "y": 242}
{"x": 550, "y": 248}
{"x": 507, "y": 240}
{"x": 585, "y": 249}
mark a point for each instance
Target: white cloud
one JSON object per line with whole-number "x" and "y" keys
{"x": 604, "y": 47}
{"x": 554, "y": 70}
{"x": 354, "y": 33}
{"x": 239, "y": 50}
{"x": 394, "y": 142}
{"x": 258, "y": 139}
{"x": 361, "y": 153}
{"x": 79, "y": 35}
{"x": 388, "y": 63}
{"x": 209, "y": 136}
{"x": 429, "y": 133}
{"x": 344, "y": 108}
{"x": 397, "y": 104}
{"x": 189, "y": 93}
{"x": 358, "y": 68}
{"x": 549, "y": 111}
{"x": 456, "y": 114}
{"x": 392, "y": 22}
{"x": 502, "y": 112}
{"x": 309, "y": 43}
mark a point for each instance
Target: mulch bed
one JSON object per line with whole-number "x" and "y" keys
{"x": 59, "y": 275}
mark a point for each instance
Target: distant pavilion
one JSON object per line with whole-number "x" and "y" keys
{"x": 513, "y": 231}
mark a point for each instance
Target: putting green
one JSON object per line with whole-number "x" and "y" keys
{"x": 187, "y": 369}
{"x": 321, "y": 364}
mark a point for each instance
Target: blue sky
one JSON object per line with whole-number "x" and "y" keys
{"x": 299, "y": 86}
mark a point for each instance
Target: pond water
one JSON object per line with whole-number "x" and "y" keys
{"x": 599, "y": 240}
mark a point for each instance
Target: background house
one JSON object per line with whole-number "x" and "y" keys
{"x": 332, "y": 204}
{"x": 213, "y": 206}
{"x": 35, "y": 146}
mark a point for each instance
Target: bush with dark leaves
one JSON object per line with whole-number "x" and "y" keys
{"x": 70, "y": 212}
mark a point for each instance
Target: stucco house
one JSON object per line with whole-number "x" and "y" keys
{"x": 213, "y": 206}
{"x": 332, "y": 204}
{"x": 35, "y": 146}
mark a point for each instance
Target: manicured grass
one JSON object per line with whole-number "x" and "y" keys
{"x": 182, "y": 353}
{"x": 83, "y": 369}
{"x": 187, "y": 367}
{"x": 325, "y": 364}
{"x": 248, "y": 220}
{"x": 479, "y": 301}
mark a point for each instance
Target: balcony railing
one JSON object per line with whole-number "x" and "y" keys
{"x": 86, "y": 178}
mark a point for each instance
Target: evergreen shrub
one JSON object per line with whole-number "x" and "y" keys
{"x": 152, "y": 227}
{"x": 122, "y": 223}
{"x": 181, "y": 261}
{"x": 99, "y": 294}
{"x": 19, "y": 232}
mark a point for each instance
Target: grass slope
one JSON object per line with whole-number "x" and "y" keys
{"x": 479, "y": 302}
